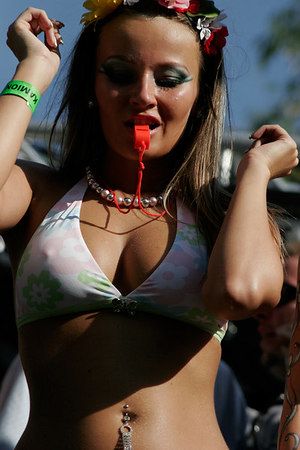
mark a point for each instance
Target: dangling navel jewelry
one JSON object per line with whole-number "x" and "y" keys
{"x": 126, "y": 430}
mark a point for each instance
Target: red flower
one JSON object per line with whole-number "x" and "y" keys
{"x": 179, "y": 5}
{"x": 194, "y": 6}
{"x": 216, "y": 41}
{"x": 180, "y": 10}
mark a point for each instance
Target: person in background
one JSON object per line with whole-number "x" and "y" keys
{"x": 231, "y": 408}
{"x": 14, "y": 405}
{"x": 275, "y": 328}
{"x": 289, "y": 428}
{"x": 8, "y": 334}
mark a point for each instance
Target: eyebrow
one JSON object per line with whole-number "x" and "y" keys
{"x": 132, "y": 60}
{"x": 125, "y": 58}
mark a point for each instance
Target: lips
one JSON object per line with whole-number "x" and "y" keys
{"x": 153, "y": 122}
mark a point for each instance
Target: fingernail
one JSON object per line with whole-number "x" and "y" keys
{"x": 60, "y": 41}
{"x": 58, "y": 24}
{"x": 55, "y": 42}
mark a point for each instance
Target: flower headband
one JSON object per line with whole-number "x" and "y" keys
{"x": 202, "y": 14}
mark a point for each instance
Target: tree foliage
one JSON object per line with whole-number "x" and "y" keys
{"x": 283, "y": 38}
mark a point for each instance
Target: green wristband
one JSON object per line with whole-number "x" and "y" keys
{"x": 24, "y": 90}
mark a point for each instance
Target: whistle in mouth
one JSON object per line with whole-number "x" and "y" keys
{"x": 141, "y": 136}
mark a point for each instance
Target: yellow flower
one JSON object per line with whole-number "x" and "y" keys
{"x": 98, "y": 9}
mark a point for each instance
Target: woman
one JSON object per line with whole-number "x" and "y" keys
{"x": 289, "y": 428}
{"x": 120, "y": 318}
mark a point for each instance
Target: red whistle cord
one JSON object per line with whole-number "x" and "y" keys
{"x": 141, "y": 168}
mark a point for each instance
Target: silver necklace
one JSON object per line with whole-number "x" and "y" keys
{"x": 110, "y": 196}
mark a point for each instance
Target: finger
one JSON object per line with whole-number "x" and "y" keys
{"x": 57, "y": 25}
{"x": 52, "y": 48}
{"x": 269, "y": 132}
{"x": 36, "y": 17}
{"x": 257, "y": 143}
{"x": 50, "y": 35}
{"x": 40, "y": 22}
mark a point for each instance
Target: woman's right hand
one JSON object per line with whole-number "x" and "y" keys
{"x": 37, "y": 59}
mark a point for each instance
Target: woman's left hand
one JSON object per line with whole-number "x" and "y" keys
{"x": 245, "y": 273}
{"x": 273, "y": 148}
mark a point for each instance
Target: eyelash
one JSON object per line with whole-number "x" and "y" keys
{"x": 121, "y": 77}
{"x": 169, "y": 83}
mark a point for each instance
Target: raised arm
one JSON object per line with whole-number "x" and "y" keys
{"x": 38, "y": 64}
{"x": 245, "y": 271}
{"x": 289, "y": 429}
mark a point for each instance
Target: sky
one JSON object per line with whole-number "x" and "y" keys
{"x": 251, "y": 88}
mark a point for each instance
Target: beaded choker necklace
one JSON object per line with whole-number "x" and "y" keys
{"x": 110, "y": 196}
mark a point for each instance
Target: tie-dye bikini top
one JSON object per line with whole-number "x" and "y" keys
{"x": 58, "y": 275}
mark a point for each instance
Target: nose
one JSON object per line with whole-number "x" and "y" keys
{"x": 143, "y": 92}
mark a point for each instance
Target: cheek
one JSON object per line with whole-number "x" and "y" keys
{"x": 106, "y": 99}
{"x": 182, "y": 103}
{"x": 108, "y": 110}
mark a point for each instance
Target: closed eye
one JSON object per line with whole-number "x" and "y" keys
{"x": 119, "y": 74}
{"x": 170, "y": 76}
{"x": 170, "y": 82}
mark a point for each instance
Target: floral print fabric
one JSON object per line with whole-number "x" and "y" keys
{"x": 58, "y": 274}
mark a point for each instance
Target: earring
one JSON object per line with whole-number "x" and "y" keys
{"x": 90, "y": 104}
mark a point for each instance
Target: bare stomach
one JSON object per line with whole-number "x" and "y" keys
{"x": 89, "y": 375}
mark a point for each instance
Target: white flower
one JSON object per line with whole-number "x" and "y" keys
{"x": 206, "y": 25}
{"x": 203, "y": 26}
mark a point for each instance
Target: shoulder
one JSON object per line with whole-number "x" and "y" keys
{"x": 46, "y": 186}
{"x": 46, "y": 182}
{"x": 38, "y": 174}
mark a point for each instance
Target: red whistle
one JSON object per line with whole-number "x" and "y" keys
{"x": 141, "y": 136}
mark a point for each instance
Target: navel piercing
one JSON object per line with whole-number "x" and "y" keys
{"x": 126, "y": 430}
{"x": 126, "y": 418}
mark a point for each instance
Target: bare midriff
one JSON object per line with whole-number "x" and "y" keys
{"x": 83, "y": 369}
{"x": 88, "y": 371}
